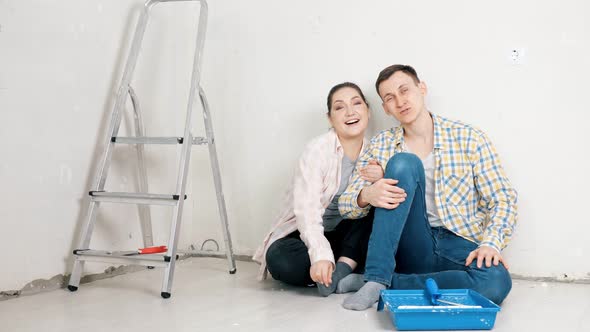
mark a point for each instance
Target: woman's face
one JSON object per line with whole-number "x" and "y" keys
{"x": 349, "y": 114}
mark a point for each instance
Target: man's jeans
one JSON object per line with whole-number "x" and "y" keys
{"x": 404, "y": 250}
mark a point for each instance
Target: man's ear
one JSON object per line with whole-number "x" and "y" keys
{"x": 423, "y": 88}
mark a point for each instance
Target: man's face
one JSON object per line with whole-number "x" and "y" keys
{"x": 402, "y": 97}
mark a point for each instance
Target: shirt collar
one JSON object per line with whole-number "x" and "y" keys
{"x": 338, "y": 146}
{"x": 439, "y": 143}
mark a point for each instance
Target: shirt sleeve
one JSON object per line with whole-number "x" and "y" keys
{"x": 348, "y": 204}
{"x": 497, "y": 195}
{"x": 308, "y": 209}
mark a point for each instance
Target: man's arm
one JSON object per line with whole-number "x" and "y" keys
{"x": 348, "y": 203}
{"x": 361, "y": 194}
{"x": 498, "y": 197}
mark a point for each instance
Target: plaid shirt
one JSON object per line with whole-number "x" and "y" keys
{"x": 473, "y": 196}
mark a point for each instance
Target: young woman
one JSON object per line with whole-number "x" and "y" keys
{"x": 310, "y": 242}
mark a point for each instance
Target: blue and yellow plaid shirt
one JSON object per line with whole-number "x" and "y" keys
{"x": 473, "y": 196}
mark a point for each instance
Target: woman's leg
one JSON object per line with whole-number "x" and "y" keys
{"x": 287, "y": 260}
{"x": 349, "y": 243}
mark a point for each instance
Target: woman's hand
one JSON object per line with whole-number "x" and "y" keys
{"x": 321, "y": 272}
{"x": 372, "y": 172}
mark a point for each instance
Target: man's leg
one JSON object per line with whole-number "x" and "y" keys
{"x": 451, "y": 251}
{"x": 409, "y": 219}
{"x": 287, "y": 260}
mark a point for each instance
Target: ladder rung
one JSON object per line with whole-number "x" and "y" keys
{"x": 200, "y": 140}
{"x": 157, "y": 140}
{"x": 113, "y": 257}
{"x": 134, "y": 198}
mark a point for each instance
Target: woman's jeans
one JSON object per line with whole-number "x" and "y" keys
{"x": 404, "y": 250}
{"x": 287, "y": 259}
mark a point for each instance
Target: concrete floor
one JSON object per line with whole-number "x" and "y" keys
{"x": 206, "y": 298}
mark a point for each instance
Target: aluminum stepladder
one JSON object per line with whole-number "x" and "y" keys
{"x": 98, "y": 194}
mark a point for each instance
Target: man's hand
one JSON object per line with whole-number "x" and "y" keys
{"x": 321, "y": 271}
{"x": 489, "y": 254}
{"x": 384, "y": 194}
{"x": 372, "y": 172}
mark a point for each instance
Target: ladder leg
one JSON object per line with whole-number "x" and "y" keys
{"x": 74, "y": 281}
{"x": 145, "y": 218}
{"x": 84, "y": 243}
{"x": 186, "y": 152}
{"x": 175, "y": 227}
{"x": 217, "y": 180}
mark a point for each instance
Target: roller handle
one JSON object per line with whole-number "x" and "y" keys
{"x": 432, "y": 291}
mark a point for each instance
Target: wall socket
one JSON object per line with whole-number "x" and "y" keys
{"x": 516, "y": 55}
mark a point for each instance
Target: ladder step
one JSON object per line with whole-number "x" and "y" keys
{"x": 134, "y": 198}
{"x": 157, "y": 140}
{"x": 114, "y": 257}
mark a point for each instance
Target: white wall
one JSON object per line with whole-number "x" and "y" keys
{"x": 267, "y": 69}
{"x": 60, "y": 65}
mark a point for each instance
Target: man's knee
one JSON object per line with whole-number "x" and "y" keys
{"x": 495, "y": 284}
{"x": 402, "y": 165}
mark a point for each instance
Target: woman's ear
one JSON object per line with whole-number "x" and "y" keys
{"x": 329, "y": 118}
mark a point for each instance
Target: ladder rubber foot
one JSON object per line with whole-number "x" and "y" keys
{"x": 233, "y": 271}
{"x": 165, "y": 295}
{"x": 72, "y": 288}
{"x": 151, "y": 267}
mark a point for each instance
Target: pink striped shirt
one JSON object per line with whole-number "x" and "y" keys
{"x": 314, "y": 185}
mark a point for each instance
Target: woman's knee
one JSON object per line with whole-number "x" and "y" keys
{"x": 276, "y": 262}
{"x": 286, "y": 264}
{"x": 403, "y": 165}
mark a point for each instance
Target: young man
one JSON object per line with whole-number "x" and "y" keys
{"x": 444, "y": 208}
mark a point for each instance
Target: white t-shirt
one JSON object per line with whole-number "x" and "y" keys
{"x": 429, "y": 164}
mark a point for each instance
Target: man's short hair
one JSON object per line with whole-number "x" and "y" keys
{"x": 389, "y": 71}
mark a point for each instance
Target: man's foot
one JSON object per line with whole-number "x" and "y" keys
{"x": 365, "y": 297}
{"x": 341, "y": 271}
{"x": 351, "y": 283}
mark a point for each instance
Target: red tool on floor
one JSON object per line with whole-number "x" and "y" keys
{"x": 141, "y": 251}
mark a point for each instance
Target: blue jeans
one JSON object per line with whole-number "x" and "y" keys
{"x": 404, "y": 250}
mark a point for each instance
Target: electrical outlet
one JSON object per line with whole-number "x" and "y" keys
{"x": 516, "y": 56}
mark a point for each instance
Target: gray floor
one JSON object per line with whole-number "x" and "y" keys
{"x": 206, "y": 298}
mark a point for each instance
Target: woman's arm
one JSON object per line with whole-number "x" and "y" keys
{"x": 308, "y": 208}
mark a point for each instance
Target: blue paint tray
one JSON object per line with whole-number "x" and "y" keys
{"x": 423, "y": 309}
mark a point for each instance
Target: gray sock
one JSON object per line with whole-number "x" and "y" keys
{"x": 341, "y": 271}
{"x": 351, "y": 283}
{"x": 365, "y": 297}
